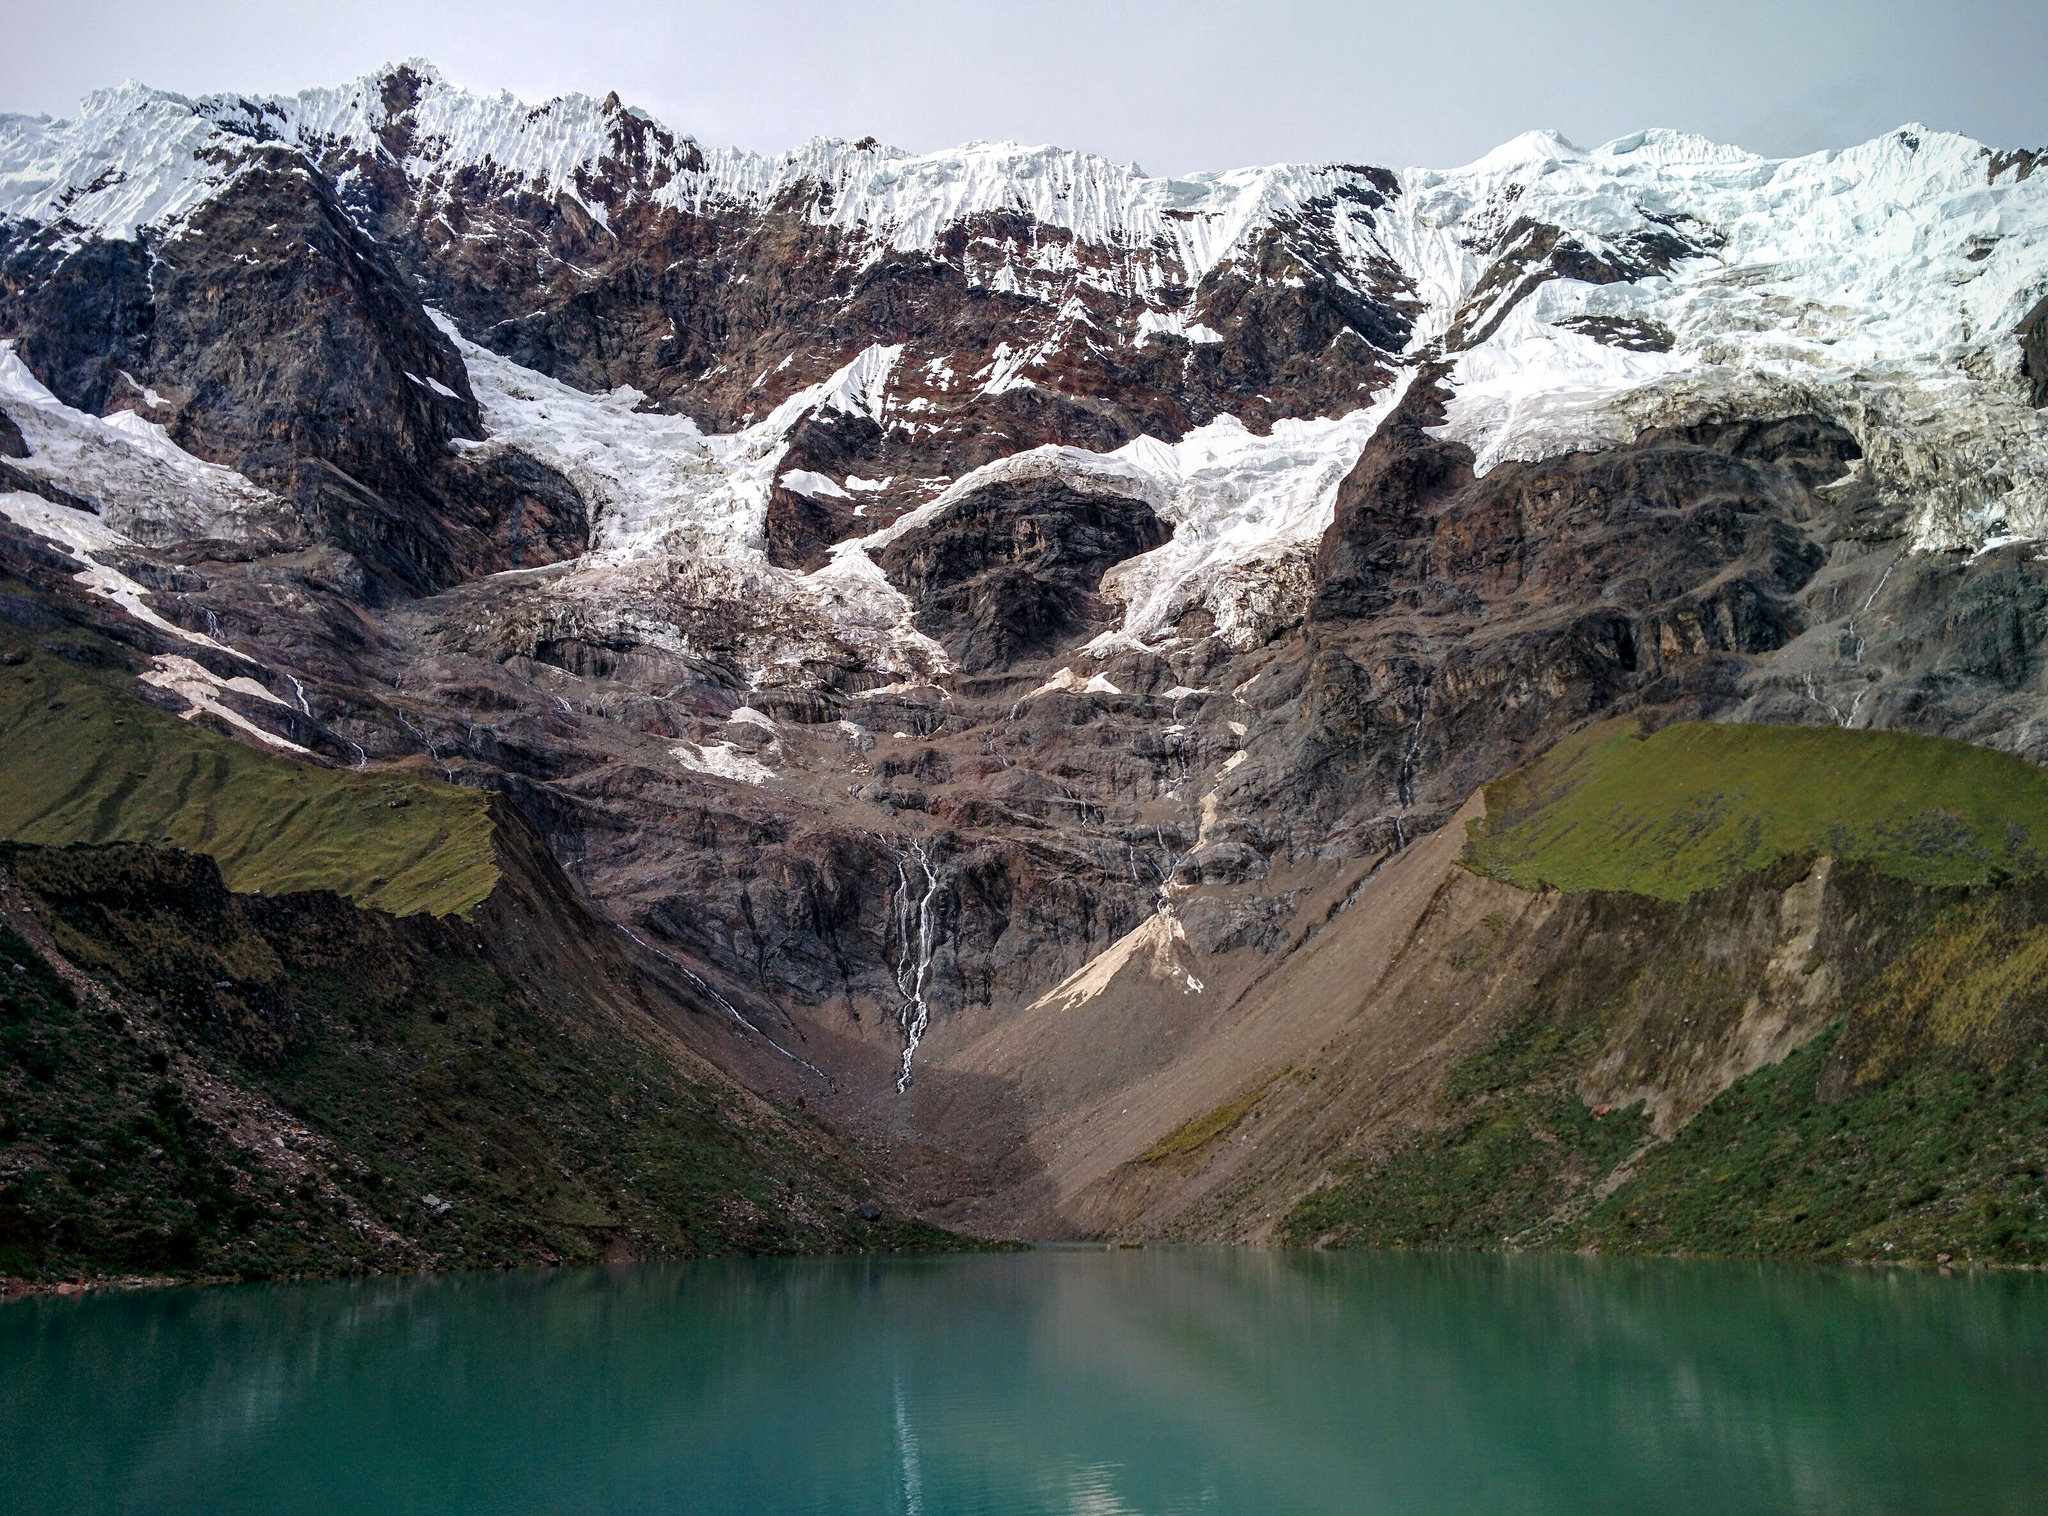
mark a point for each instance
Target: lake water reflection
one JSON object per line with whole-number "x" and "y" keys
{"x": 1053, "y": 1381}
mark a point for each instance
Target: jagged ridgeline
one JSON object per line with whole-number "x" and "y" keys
{"x": 1781, "y": 992}
{"x": 259, "y": 1017}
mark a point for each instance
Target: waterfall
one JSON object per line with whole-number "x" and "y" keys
{"x": 1167, "y": 871}
{"x": 1404, "y": 778}
{"x": 917, "y": 929}
{"x": 1870, "y": 600}
{"x": 427, "y": 742}
{"x": 724, "y": 1004}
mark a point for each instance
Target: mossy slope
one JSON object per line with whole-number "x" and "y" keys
{"x": 282, "y": 1085}
{"x": 1697, "y": 804}
{"x": 1947, "y": 1157}
{"x": 83, "y": 759}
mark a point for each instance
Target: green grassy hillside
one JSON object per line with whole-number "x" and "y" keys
{"x": 282, "y": 1086}
{"x": 1910, "y": 1123}
{"x": 1946, "y": 1159}
{"x": 1697, "y": 804}
{"x": 83, "y": 759}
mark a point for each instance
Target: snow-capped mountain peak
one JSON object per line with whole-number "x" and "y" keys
{"x": 1579, "y": 294}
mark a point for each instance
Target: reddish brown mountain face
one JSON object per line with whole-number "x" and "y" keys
{"x": 886, "y": 593}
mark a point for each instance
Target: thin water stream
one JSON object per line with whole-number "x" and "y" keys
{"x": 917, "y": 930}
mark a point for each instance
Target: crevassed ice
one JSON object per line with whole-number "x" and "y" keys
{"x": 145, "y": 487}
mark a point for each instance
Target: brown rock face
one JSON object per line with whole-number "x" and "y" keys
{"x": 2034, "y": 353}
{"x": 1011, "y": 572}
{"x": 801, "y": 527}
{"x": 1403, "y": 475}
{"x": 1461, "y": 624}
{"x": 287, "y": 346}
{"x": 701, "y": 312}
{"x": 292, "y": 338}
{"x": 78, "y": 316}
{"x": 502, "y": 510}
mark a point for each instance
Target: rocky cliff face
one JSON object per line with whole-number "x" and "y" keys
{"x": 270, "y": 334}
{"x": 888, "y": 582}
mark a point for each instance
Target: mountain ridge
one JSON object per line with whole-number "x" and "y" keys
{"x": 889, "y": 605}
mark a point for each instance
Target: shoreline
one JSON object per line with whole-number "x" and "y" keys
{"x": 13, "y": 1289}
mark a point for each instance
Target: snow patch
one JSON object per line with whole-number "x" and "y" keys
{"x": 721, "y": 760}
{"x": 802, "y": 481}
{"x": 86, "y": 536}
{"x": 1247, "y": 513}
{"x": 201, "y": 688}
{"x": 144, "y": 486}
{"x": 1067, "y": 681}
{"x": 657, "y": 485}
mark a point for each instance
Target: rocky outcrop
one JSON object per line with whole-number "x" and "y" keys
{"x": 801, "y": 524}
{"x": 1459, "y": 625}
{"x": 2033, "y": 336}
{"x": 80, "y": 316}
{"x": 1011, "y": 571}
{"x": 1531, "y": 253}
{"x": 272, "y": 335}
{"x": 1400, "y": 480}
{"x": 503, "y": 510}
{"x": 295, "y": 349}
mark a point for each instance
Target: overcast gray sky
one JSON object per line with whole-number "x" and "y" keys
{"x": 1173, "y": 86}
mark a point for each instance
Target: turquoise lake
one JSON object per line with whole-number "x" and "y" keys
{"x": 1060, "y": 1380}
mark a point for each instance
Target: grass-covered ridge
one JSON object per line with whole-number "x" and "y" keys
{"x": 1897, "y": 995}
{"x": 1697, "y": 804}
{"x": 83, "y": 759}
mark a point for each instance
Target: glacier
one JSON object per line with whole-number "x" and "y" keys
{"x": 1880, "y": 285}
